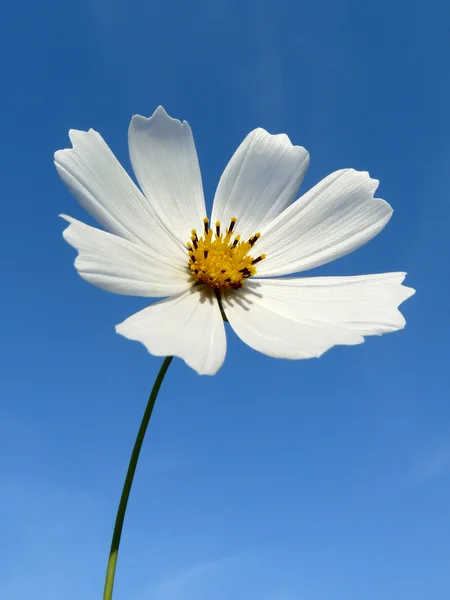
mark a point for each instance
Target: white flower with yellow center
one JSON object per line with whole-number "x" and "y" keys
{"x": 159, "y": 243}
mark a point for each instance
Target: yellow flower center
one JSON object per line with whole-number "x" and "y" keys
{"x": 221, "y": 260}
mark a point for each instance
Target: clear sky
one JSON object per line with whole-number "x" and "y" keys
{"x": 324, "y": 479}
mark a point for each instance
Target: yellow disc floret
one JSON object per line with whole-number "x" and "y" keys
{"x": 218, "y": 260}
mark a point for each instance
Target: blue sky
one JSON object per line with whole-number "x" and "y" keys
{"x": 312, "y": 480}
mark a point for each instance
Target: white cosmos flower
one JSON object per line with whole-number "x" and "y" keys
{"x": 158, "y": 243}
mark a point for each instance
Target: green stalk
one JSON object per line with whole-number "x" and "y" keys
{"x": 112, "y": 560}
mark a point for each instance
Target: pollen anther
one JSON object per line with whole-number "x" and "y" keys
{"x": 257, "y": 260}
{"x": 232, "y": 224}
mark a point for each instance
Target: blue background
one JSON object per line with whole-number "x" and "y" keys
{"x": 318, "y": 480}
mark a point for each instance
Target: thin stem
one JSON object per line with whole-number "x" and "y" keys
{"x": 112, "y": 560}
{"x": 219, "y": 300}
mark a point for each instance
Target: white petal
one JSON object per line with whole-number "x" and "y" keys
{"x": 261, "y": 179}
{"x": 164, "y": 159}
{"x": 334, "y": 218}
{"x": 302, "y": 318}
{"x": 101, "y": 185}
{"x": 121, "y": 266}
{"x": 188, "y": 325}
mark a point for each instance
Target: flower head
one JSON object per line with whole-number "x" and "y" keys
{"x": 221, "y": 260}
{"x": 159, "y": 242}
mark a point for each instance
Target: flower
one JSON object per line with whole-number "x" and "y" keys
{"x": 159, "y": 243}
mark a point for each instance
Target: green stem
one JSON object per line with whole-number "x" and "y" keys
{"x": 112, "y": 560}
{"x": 219, "y": 300}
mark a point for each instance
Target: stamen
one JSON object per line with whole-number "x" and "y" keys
{"x": 253, "y": 239}
{"x": 205, "y": 253}
{"x": 218, "y": 228}
{"x": 232, "y": 224}
{"x": 236, "y": 241}
{"x": 206, "y": 224}
{"x": 257, "y": 260}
